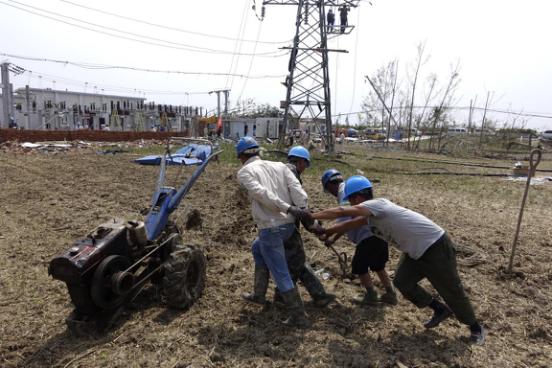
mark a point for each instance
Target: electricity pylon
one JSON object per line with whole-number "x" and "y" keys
{"x": 308, "y": 81}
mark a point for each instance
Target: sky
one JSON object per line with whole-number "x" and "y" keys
{"x": 502, "y": 48}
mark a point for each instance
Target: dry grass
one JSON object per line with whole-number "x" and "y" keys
{"x": 49, "y": 200}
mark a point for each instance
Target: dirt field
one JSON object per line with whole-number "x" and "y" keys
{"x": 48, "y": 200}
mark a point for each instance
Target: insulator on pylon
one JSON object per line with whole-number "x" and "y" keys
{"x": 263, "y": 12}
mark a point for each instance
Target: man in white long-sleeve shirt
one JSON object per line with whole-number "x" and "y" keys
{"x": 272, "y": 188}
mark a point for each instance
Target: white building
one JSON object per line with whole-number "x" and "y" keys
{"x": 256, "y": 127}
{"x": 68, "y": 110}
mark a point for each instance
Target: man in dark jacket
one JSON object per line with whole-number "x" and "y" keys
{"x": 330, "y": 20}
{"x": 343, "y": 10}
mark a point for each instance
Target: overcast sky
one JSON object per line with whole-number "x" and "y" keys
{"x": 503, "y": 46}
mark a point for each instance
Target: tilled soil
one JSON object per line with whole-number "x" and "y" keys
{"x": 47, "y": 201}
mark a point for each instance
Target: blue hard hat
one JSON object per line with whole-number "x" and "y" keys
{"x": 246, "y": 144}
{"x": 329, "y": 175}
{"x": 301, "y": 152}
{"x": 355, "y": 184}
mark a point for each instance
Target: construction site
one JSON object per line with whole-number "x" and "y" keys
{"x": 128, "y": 235}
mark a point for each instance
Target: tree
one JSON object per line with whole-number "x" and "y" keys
{"x": 376, "y": 103}
{"x": 419, "y": 61}
{"x": 249, "y": 109}
{"x": 446, "y": 101}
{"x": 432, "y": 81}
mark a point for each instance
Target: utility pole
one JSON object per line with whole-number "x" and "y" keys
{"x": 470, "y": 116}
{"x": 28, "y": 103}
{"x": 308, "y": 81}
{"x": 483, "y": 121}
{"x": 6, "y": 107}
{"x": 226, "y": 94}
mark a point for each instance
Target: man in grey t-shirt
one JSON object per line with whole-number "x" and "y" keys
{"x": 427, "y": 250}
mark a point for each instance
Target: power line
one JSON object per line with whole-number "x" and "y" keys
{"x": 236, "y": 45}
{"x": 35, "y": 74}
{"x": 250, "y": 62}
{"x": 355, "y": 61}
{"x": 120, "y": 67}
{"x": 154, "y": 41}
{"x": 500, "y": 111}
{"x": 172, "y": 28}
{"x": 240, "y": 44}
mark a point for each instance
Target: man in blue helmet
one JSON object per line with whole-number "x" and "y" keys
{"x": 273, "y": 189}
{"x": 428, "y": 252}
{"x": 371, "y": 252}
{"x": 298, "y": 161}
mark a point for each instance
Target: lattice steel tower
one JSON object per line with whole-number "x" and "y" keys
{"x": 308, "y": 81}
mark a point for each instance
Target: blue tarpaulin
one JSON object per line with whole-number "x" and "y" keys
{"x": 192, "y": 154}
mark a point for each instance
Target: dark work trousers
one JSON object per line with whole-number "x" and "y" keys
{"x": 299, "y": 269}
{"x": 438, "y": 265}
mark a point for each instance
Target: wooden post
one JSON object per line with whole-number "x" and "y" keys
{"x": 533, "y": 163}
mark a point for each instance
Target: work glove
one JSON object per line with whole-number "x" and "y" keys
{"x": 316, "y": 228}
{"x": 302, "y": 215}
{"x": 298, "y": 213}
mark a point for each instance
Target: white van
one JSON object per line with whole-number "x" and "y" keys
{"x": 546, "y": 135}
{"x": 457, "y": 131}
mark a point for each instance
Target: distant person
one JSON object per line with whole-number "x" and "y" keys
{"x": 12, "y": 124}
{"x": 343, "y": 10}
{"x": 330, "y": 20}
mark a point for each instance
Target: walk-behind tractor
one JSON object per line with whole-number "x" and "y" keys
{"x": 113, "y": 263}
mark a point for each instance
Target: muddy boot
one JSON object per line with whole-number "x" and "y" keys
{"x": 390, "y": 297}
{"x": 296, "y": 309}
{"x": 323, "y": 300}
{"x": 278, "y": 302}
{"x": 259, "y": 288}
{"x": 370, "y": 298}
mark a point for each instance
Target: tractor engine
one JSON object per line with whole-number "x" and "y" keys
{"x": 113, "y": 263}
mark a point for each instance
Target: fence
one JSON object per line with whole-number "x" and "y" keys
{"x": 81, "y": 135}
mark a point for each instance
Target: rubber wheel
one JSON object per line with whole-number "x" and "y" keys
{"x": 80, "y": 296}
{"x": 184, "y": 279}
{"x": 101, "y": 290}
{"x": 80, "y": 325}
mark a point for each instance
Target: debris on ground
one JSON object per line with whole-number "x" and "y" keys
{"x": 534, "y": 181}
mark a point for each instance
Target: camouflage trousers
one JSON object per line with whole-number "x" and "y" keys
{"x": 299, "y": 269}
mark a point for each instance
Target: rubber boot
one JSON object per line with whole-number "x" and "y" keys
{"x": 259, "y": 287}
{"x": 370, "y": 298}
{"x": 278, "y": 302}
{"x": 390, "y": 297}
{"x": 296, "y": 309}
{"x": 321, "y": 301}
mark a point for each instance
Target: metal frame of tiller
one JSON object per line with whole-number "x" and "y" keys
{"x": 112, "y": 264}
